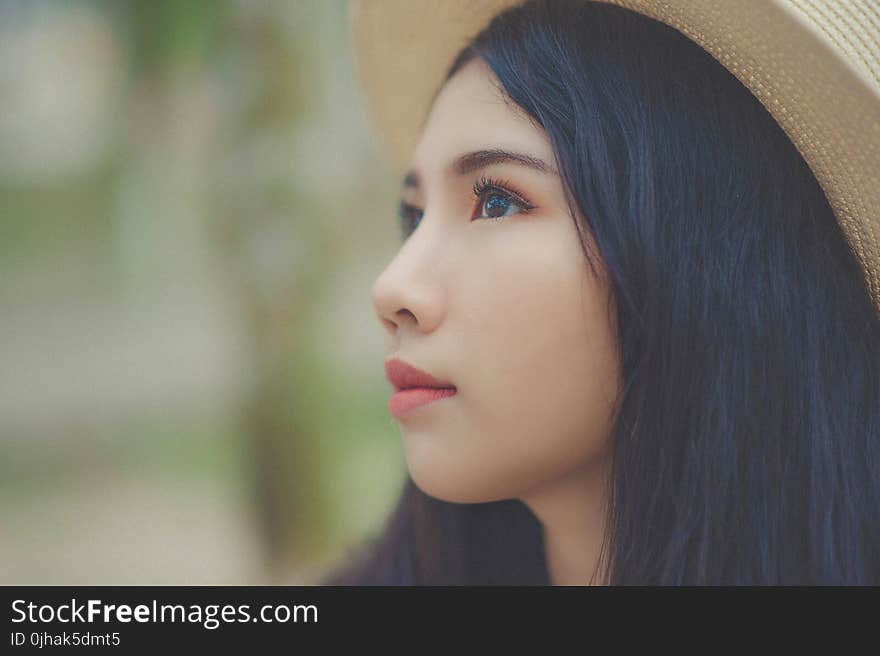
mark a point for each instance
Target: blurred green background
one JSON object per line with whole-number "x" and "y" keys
{"x": 192, "y": 212}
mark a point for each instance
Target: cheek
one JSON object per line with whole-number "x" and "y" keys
{"x": 540, "y": 376}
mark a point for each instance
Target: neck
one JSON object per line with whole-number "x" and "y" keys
{"x": 572, "y": 515}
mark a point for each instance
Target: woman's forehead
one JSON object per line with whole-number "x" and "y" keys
{"x": 471, "y": 115}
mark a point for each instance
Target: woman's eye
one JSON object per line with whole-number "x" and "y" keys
{"x": 409, "y": 217}
{"x": 497, "y": 205}
{"x": 494, "y": 204}
{"x": 497, "y": 197}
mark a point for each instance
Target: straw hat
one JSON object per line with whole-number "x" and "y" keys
{"x": 815, "y": 65}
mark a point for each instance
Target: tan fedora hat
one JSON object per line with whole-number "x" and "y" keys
{"x": 814, "y": 64}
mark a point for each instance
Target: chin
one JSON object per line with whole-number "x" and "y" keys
{"x": 456, "y": 489}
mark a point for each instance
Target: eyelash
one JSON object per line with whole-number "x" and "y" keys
{"x": 482, "y": 188}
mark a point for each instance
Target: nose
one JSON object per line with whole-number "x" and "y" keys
{"x": 393, "y": 302}
{"x": 406, "y": 297}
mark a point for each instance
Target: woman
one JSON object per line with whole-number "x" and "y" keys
{"x": 662, "y": 353}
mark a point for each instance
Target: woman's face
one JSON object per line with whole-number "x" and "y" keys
{"x": 504, "y": 308}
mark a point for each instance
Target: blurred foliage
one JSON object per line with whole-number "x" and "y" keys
{"x": 193, "y": 211}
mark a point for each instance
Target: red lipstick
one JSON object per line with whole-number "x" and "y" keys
{"x": 413, "y": 387}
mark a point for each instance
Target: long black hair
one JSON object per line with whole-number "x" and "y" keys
{"x": 746, "y": 442}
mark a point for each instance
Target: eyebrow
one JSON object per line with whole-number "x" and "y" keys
{"x": 479, "y": 159}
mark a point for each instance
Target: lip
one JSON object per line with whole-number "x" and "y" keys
{"x": 413, "y": 387}
{"x": 402, "y": 375}
{"x": 404, "y": 401}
